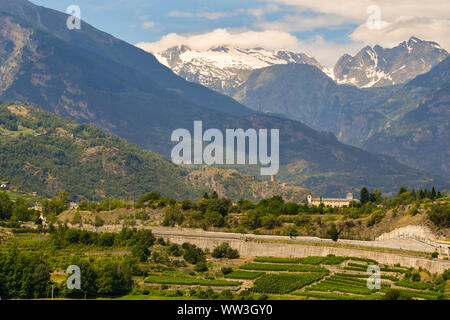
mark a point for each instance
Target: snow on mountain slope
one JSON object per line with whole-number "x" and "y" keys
{"x": 377, "y": 66}
{"x": 224, "y": 68}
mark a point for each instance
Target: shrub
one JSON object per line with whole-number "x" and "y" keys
{"x": 225, "y": 251}
{"x": 201, "y": 267}
{"x": 226, "y": 270}
{"x": 192, "y": 253}
{"x": 98, "y": 222}
{"x": 175, "y": 250}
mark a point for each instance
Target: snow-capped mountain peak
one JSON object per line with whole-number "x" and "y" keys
{"x": 224, "y": 68}
{"x": 378, "y": 66}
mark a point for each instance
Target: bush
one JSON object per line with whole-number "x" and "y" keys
{"x": 98, "y": 222}
{"x": 175, "y": 250}
{"x": 140, "y": 252}
{"x": 395, "y": 294}
{"x": 375, "y": 218}
{"x": 333, "y": 233}
{"x": 440, "y": 215}
{"x": 225, "y": 251}
{"x": 226, "y": 270}
{"x": 201, "y": 267}
{"x": 192, "y": 253}
{"x": 172, "y": 217}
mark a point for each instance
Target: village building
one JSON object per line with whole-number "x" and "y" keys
{"x": 333, "y": 202}
{"x": 73, "y": 206}
{"x": 4, "y": 185}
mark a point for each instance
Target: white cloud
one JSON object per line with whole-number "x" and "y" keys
{"x": 400, "y": 19}
{"x": 260, "y": 12}
{"x": 402, "y": 28}
{"x": 179, "y": 14}
{"x": 245, "y": 39}
{"x": 390, "y": 10}
{"x": 298, "y": 23}
{"x": 148, "y": 25}
{"x": 326, "y": 52}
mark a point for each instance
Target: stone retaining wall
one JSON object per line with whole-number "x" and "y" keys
{"x": 254, "y": 248}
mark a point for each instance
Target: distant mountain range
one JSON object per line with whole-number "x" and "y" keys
{"x": 409, "y": 122}
{"x": 89, "y": 76}
{"x": 224, "y": 68}
{"x": 362, "y": 101}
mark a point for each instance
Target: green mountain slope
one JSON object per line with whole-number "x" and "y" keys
{"x": 418, "y": 130}
{"x": 409, "y": 123}
{"x": 317, "y": 160}
{"x": 303, "y": 92}
{"x": 45, "y": 153}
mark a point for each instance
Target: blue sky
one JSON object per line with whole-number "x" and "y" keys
{"x": 322, "y": 28}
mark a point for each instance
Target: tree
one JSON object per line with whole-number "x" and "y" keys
{"x": 225, "y": 251}
{"x": 433, "y": 193}
{"x": 21, "y": 210}
{"x": 395, "y": 294}
{"x": 402, "y": 190}
{"x": 292, "y": 232}
{"x": 98, "y": 222}
{"x": 175, "y": 250}
{"x": 192, "y": 253}
{"x": 201, "y": 266}
{"x": 77, "y": 219}
{"x": 376, "y": 196}
{"x": 23, "y": 275}
{"x": 140, "y": 252}
{"x": 172, "y": 217}
{"x": 113, "y": 279}
{"x": 333, "y": 233}
{"x": 88, "y": 280}
{"x": 6, "y": 206}
{"x": 440, "y": 215}
{"x": 215, "y": 219}
{"x": 290, "y": 208}
{"x": 364, "y": 195}
{"x": 252, "y": 219}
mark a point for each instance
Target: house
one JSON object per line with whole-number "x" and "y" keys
{"x": 333, "y": 202}
{"x": 4, "y": 185}
{"x": 73, "y": 206}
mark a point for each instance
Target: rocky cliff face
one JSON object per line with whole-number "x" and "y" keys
{"x": 377, "y": 66}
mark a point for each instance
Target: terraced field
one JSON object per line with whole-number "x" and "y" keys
{"x": 329, "y": 277}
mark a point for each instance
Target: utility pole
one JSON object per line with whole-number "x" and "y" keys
{"x": 53, "y": 288}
